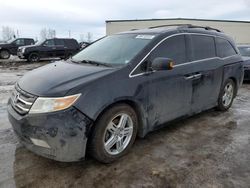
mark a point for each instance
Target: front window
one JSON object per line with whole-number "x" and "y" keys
{"x": 245, "y": 51}
{"x": 116, "y": 50}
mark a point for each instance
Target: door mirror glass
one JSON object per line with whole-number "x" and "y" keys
{"x": 161, "y": 63}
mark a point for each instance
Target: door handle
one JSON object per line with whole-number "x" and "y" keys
{"x": 198, "y": 75}
{"x": 189, "y": 77}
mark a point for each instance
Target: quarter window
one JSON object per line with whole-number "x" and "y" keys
{"x": 173, "y": 48}
{"x": 224, "y": 48}
{"x": 202, "y": 47}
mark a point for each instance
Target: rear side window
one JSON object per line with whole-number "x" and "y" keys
{"x": 173, "y": 48}
{"x": 202, "y": 47}
{"x": 29, "y": 41}
{"x": 59, "y": 42}
{"x": 224, "y": 48}
{"x": 70, "y": 43}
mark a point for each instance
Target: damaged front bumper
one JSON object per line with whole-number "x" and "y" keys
{"x": 61, "y": 136}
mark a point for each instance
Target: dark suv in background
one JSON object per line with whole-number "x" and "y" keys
{"x": 245, "y": 52}
{"x": 10, "y": 47}
{"x": 50, "y": 48}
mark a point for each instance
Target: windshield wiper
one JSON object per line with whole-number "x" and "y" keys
{"x": 92, "y": 63}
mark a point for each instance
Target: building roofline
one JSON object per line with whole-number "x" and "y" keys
{"x": 169, "y": 19}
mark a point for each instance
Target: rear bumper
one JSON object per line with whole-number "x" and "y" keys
{"x": 65, "y": 133}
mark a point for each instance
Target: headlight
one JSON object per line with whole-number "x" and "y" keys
{"x": 44, "y": 104}
{"x": 23, "y": 50}
{"x": 0, "y": 48}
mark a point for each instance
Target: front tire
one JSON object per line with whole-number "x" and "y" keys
{"x": 114, "y": 133}
{"x": 227, "y": 95}
{"x": 4, "y": 54}
{"x": 34, "y": 57}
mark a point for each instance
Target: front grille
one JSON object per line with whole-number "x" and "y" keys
{"x": 21, "y": 101}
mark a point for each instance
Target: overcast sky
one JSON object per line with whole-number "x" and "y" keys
{"x": 82, "y": 16}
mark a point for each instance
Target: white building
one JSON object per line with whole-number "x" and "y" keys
{"x": 238, "y": 30}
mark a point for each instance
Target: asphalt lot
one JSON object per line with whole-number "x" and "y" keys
{"x": 211, "y": 149}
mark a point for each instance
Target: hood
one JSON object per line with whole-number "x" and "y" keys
{"x": 56, "y": 79}
{"x": 4, "y": 44}
{"x": 29, "y": 46}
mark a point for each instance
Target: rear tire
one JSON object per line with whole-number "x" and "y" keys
{"x": 227, "y": 95}
{"x": 34, "y": 57}
{"x": 67, "y": 56}
{"x": 114, "y": 133}
{"x": 4, "y": 54}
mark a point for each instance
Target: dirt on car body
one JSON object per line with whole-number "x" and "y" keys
{"x": 210, "y": 149}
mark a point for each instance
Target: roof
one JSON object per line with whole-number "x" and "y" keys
{"x": 172, "y": 19}
{"x": 173, "y": 27}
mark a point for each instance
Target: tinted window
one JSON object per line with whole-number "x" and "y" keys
{"x": 173, "y": 48}
{"x": 224, "y": 48}
{"x": 49, "y": 43}
{"x": 202, "y": 47}
{"x": 71, "y": 43}
{"x": 59, "y": 42}
{"x": 20, "y": 42}
{"x": 29, "y": 41}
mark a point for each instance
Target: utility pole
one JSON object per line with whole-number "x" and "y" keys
{"x": 69, "y": 34}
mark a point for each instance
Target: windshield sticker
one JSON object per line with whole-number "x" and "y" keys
{"x": 147, "y": 37}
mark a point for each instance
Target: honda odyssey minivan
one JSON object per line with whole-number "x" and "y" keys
{"x": 123, "y": 86}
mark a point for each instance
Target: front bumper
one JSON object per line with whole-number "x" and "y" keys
{"x": 20, "y": 55}
{"x": 65, "y": 132}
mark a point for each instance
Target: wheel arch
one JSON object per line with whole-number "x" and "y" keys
{"x": 136, "y": 106}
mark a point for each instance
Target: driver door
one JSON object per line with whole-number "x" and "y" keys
{"x": 49, "y": 48}
{"x": 169, "y": 91}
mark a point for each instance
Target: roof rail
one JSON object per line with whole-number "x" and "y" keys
{"x": 204, "y": 27}
{"x": 187, "y": 26}
{"x": 180, "y": 25}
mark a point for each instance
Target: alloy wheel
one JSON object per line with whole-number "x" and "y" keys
{"x": 118, "y": 134}
{"x": 228, "y": 94}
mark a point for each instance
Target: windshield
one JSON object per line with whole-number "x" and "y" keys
{"x": 10, "y": 40}
{"x": 40, "y": 42}
{"x": 114, "y": 50}
{"x": 245, "y": 51}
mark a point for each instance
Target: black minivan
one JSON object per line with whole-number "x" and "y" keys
{"x": 123, "y": 86}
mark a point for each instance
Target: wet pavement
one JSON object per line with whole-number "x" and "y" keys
{"x": 211, "y": 149}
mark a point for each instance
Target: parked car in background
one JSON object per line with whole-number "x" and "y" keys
{"x": 245, "y": 52}
{"x": 84, "y": 44}
{"x": 50, "y": 48}
{"x": 123, "y": 86}
{"x": 10, "y": 47}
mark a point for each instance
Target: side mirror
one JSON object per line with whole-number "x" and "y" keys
{"x": 161, "y": 63}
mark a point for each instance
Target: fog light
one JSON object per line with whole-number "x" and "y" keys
{"x": 41, "y": 143}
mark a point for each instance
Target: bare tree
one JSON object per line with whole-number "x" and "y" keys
{"x": 89, "y": 37}
{"x": 43, "y": 34}
{"x": 51, "y": 33}
{"x": 7, "y": 33}
{"x": 47, "y": 33}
